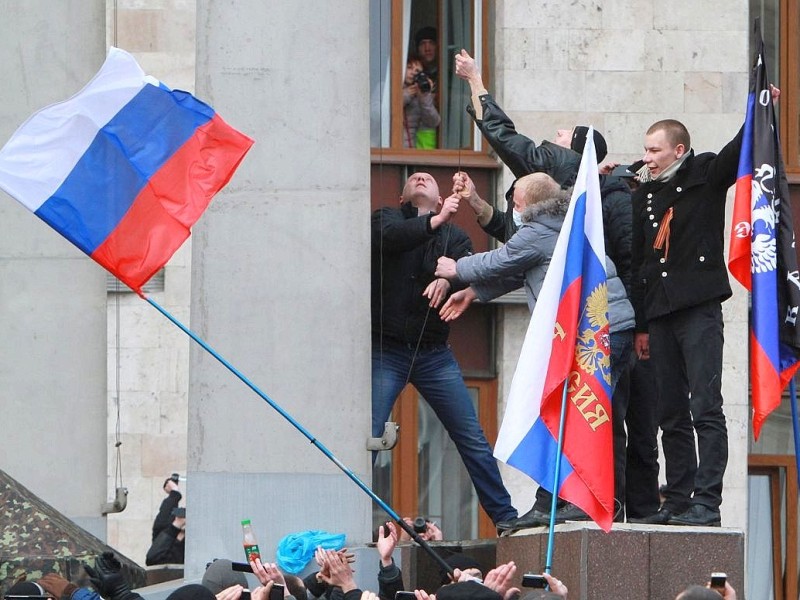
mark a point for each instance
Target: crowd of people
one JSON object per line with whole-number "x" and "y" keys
{"x": 465, "y": 579}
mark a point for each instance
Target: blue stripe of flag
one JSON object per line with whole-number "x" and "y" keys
{"x": 573, "y": 267}
{"x": 746, "y": 153}
{"x": 121, "y": 159}
{"x": 536, "y": 456}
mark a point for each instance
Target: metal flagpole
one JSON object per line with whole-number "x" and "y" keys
{"x": 314, "y": 441}
{"x": 795, "y": 425}
{"x": 548, "y": 563}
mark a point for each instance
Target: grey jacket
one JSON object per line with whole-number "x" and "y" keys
{"x": 524, "y": 259}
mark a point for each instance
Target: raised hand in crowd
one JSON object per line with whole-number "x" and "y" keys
{"x": 456, "y": 304}
{"x": 57, "y": 586}
{"x": 268, "y": 572}
{"x": 556, "y": 585}
{"x": 107, "y": 578}
{"x": 423, "y": 595}
{"x": 467, "y": 69}
{"x": 337, "y": 571}
{"x": 500, "y": 579}
{"x": 387, "y": 542}
{"x": 231, "y": 593}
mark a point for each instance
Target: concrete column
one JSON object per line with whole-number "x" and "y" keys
{"x": 281, "y": 278}
{"x": 52, "y": 296}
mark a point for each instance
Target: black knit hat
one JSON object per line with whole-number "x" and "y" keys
{"x": 193, "y": 591}
{"x": 467, "y": 590}
{"x": 425, "y": 33}
{"x": 579, "y": 141}
{"x": 27, "y": 588}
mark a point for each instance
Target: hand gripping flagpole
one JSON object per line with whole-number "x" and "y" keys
{"x": 314, "y": 441}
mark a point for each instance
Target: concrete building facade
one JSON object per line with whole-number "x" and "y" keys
{"x": 276, "y": 275}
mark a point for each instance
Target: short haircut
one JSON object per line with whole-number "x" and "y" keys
{"x": 538, "y": 187}
{"x": 675, "y": 131}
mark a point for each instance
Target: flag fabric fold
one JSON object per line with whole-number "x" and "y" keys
{"x": 124, "y": 168}
{"x": 567, "y": 344}
{"x": 762, "y": 254}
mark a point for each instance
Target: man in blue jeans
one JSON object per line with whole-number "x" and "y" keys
{"x": 409, "y": 340}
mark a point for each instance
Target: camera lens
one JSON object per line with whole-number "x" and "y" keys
{"x": 420, "y": 525}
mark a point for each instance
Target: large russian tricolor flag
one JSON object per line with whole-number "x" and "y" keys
{"x": 124, "y": 168}
{"x": 567, "y": 344}
{"x": 762, "y": 255}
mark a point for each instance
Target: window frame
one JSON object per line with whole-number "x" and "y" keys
{"x": 789, "y": 82}
{"x": 395, "y": 153}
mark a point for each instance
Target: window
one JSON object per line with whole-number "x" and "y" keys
{"x": 780, "y": 26}
{"x": 412, "y": 36}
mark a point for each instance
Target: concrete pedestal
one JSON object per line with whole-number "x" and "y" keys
{"x": 631, "y": 562}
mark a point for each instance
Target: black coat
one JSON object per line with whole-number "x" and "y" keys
{"x": 694, "y": 270}
{"x": 523, "y": 156}
{"x": 404, "y": 254}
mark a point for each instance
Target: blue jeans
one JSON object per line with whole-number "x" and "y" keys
{"x": 437, "y": 377}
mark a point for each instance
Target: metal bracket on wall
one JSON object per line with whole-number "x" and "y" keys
{"x": 119, "y": 503}
{"x": 387, "y": 441}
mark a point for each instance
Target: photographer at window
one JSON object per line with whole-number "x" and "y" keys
{"x": 419, "y": 110}
{"x": 169, "y": 528}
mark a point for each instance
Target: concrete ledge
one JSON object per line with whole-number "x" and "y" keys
{"x": 633, "y": 561}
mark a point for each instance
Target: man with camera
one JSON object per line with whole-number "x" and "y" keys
{"x": 169, "y": 528}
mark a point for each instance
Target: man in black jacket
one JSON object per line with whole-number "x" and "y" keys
{"x": 560, "y": 159}
{"x": 409, "y": 340}
{"x": 169, "y": 529}
{"x": 680, "y": 282}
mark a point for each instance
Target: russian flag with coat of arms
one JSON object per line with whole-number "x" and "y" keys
{"x": 124, "y": 168}
{"x": 567, "y": 344}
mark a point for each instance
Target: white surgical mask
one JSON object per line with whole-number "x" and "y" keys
{"x": 517, "y": 218}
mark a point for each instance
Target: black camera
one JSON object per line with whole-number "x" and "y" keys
{"x": 534, "y": 580}
{"x": 423, "y": 82}
{"x": 179, "y": 511}
{"x": 420, "y": 524}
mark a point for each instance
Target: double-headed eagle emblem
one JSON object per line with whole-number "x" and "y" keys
{"x": 593, "y": 348}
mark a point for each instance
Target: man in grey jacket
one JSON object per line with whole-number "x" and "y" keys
{"x": 523, "y": 260}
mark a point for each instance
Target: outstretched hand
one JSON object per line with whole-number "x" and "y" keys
{"x": 499, "y": 579}
{"x": 387, "y": 541}
{"x": 456, "y": 304}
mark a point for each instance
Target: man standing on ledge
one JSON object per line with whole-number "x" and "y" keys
{"x": 409, "y": 340}
{"x": 680, "y": 281}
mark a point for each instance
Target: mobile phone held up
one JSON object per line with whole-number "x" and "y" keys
{"x": 405, "y": 596}
{"x": 718, "y": 582}
{"x": 534, "y": 580}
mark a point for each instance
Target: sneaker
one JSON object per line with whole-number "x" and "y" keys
{"x": 662, "y": 517}
{"x": 697, "y": 516}
{"x": 532, "y": 518}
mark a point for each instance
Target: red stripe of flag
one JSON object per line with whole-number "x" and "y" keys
{"x": 159, "y": 220}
